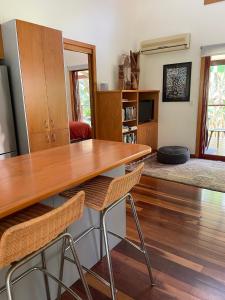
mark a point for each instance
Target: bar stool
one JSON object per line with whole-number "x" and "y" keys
{"x": 28, "y": 233}
{"x": 103, "y": 194}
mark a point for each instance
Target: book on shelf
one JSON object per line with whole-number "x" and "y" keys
{"x": 129, "y": 113}
{"x": 128, "y": 128}
{"x": 130, "y": 138}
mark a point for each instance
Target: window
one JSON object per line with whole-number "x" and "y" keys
{"x": 83, "y": 77}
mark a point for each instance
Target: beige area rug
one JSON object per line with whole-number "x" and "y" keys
{"x": 202, "y": 173}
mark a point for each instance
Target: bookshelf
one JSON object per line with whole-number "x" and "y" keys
{"x": 117, "y": 117}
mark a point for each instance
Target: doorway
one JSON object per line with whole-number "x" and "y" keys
{"x": 81, "y": 95}
{"x": 80, "y": 74}
{"x": 212, "y": 126}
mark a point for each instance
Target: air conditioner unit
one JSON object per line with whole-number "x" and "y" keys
{"x": 166, "y": 44}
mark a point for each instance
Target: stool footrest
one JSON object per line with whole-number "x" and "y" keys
{"x": 126, "y": 240}
{"x": 94, "y": 274}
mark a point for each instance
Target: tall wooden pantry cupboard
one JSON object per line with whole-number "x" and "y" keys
{"x": 34, "y": 55}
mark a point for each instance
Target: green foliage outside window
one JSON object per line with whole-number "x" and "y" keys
{"x": 216, "y": 114}
{"x": 84, "y": 91}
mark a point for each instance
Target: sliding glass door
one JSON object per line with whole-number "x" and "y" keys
{"x": 211, "y": 124}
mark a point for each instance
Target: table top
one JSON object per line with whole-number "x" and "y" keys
{"x": 31, "y": 178}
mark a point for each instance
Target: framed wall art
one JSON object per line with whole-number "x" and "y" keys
{"x": 177, "y": 82}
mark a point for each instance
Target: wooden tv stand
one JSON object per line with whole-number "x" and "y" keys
{"x": 109, "y": 121}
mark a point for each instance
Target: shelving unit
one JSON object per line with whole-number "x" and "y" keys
{"x": 132, "y": 120}
{"x": 109, "y": 116}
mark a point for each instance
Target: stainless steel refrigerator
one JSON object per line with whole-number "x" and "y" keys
{"x": 7, "y": 129}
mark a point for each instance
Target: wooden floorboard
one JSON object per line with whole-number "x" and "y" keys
{"x": 184, "y": 229}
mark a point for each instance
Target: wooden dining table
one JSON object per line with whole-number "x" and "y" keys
{"x": 31, "y": 178}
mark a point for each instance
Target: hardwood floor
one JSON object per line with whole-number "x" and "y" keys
{"x": 184, "y": 229}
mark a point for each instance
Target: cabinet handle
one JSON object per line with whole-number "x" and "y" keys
{"x": 48, "y": 138}
{"x": 53, "y": 137}
{"x": 52, "y": 123}
{"x": 45, "y": 123}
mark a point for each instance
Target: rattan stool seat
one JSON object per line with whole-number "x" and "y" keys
{"x": 24, "y": 215}
{"x": 102, "y": 191}
{"x": 95, "y": 191}
{"x": 20, "y": 217}
{"x": 30, "y": 232}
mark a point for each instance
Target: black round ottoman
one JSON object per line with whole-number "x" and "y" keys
{"x": 173, "y": 155}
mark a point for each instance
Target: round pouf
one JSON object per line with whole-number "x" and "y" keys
{"x": 173, "y": 155}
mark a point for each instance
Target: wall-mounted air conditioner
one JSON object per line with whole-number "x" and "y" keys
{"x": 166, "y": 44}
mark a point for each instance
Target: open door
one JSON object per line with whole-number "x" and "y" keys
{"x": 211, "y": 124}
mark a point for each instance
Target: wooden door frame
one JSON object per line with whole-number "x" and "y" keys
{"x": 89, "y": 49}
{"x": 202, "y": 106}
{"x": 206, "y": 2}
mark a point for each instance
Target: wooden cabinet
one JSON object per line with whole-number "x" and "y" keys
{"x": 147, "y": 134}
{"x": 48, "y": 139}
{"x": 109, "y": 115}
{"x": 59, "y": 137}
{"x": 39, "y": 84}
{"x": 55, "y": 80}
{"x": 33, "y": 76}
{"x": 111, "y": 124}
{"x": 40, "y": 141}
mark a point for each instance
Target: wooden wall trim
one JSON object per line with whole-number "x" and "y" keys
{"x": 211, "y": 1}
{"x": 72, "y": 95}
{"x": 203, "y": 90}
{"x": 78, "y": 46}
{"x": 202, "y": 72}
{"x": 1, "y": 45}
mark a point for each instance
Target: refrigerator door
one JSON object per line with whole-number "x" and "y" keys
{"x": 7, "y": 130}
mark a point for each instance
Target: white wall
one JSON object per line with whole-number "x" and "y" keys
{"x": 116, "y": 26}
{"x": 177, "y": 121}
{"x": 105, "y": 23}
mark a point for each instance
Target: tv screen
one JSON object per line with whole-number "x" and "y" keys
{"x": 146, "y": 111}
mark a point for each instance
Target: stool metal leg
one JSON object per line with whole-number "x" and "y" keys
{"x": 141, "y": 237}
{"x": 44, "y": 266}
{"x": 61, "y": 269}
{"x": 111, "y": 277}
{"x": 84, "y": 282}
{"x": 9, "y": 285}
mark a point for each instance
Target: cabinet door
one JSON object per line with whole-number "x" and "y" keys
{"x": 59, "y": 137}
{"x": 148, "y": 134}
{"x": 40, "y": 141}
{"x": 55, "y": 78}
{"x": 30, "y": 38}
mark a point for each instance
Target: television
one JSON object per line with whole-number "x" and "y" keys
{"x": 146, "y": 111}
